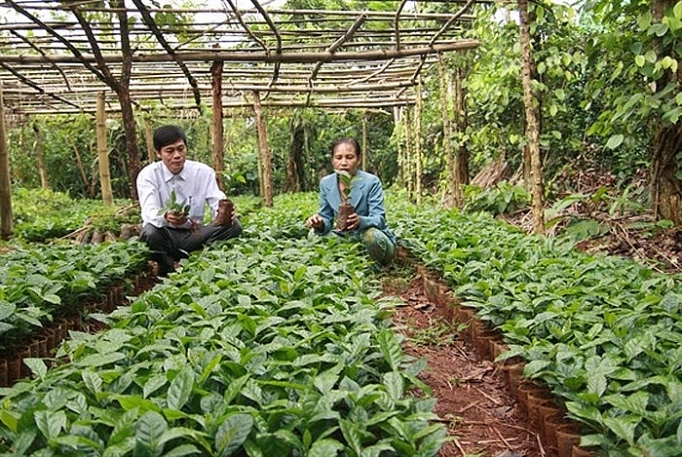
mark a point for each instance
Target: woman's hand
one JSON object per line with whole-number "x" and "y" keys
{"x": 353, "y": 222}
{"x": 315, "y": 221}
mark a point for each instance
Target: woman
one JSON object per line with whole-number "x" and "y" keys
{"x": 367, "y": 197}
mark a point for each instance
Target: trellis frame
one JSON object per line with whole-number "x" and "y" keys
{"x": 359, "y": 59}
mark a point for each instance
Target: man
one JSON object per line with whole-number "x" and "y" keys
{"x": 166, "y": 189}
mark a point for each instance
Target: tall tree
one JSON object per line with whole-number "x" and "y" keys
{"x": 644, "y": 37}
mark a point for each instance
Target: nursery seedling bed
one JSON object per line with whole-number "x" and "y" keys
{"x": 474, "y": 400}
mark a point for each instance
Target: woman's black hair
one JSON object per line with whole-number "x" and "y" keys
{"x": 168, "y": 134}
{"x": 352, "y": 141}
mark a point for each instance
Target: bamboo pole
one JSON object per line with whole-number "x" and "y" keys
{"x": 417, "y": 143}
{"x": 235, "y": 56}
{"x": 103, "y": 153}
{"x": 365, "y": 149}
{"x": 532, "y": 123}
{"x": 408, "y": 154}
{"x": 451, "y": 187}
{"x": 218, "y": 132}
{"x": 149, "y": 139}
{"x": 6, "y": 222}
{"x": 264, "y": 150}
{"x": 40, "y": 156}
{"x": 461, "y": 163}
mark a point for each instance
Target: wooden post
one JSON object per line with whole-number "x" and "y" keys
{"x": 461, "y": 122}
{"x": 408, "y": 154}
{"x": 103, "y": 153}
{"x": 218, "y": 134}
{"x": 417, "y": 142}
{"x": 365, "y": 149}
{"x": 40, "y": 156}
{"x": 149, "y": 137}
{"x": 398, "y": 132}
{"x": 263, "y": 149}
{"x": 532, "y": 124}
{"x": 6, "y": 223}
{"x": 451, "y": 186}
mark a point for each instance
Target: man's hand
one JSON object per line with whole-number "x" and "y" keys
{"x": 175, "y": 219}
{"x": 315, "y": 221}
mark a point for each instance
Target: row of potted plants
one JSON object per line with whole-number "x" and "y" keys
{"x": 262, "y": 346}
{"x": 604, "y": 333}
{"x": 42, "y": 282}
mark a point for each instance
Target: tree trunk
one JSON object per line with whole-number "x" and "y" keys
{"x": 81, "y": 170}
{"x": 218, "y": 134}
{"x": 103, "y": 153}
{"x": 40, "y": 156}
{"x": 532, "y": 126}
{"x": 263, "y": 149}
{"x": 666, "y": 188}
{"x": 294, "y": 165}
{"x": 6, "y": 222}
{"x": 128, "y": 118}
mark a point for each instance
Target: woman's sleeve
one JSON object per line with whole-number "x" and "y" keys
{"x": 377, "y": 211}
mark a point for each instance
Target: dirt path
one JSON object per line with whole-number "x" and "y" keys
{"x": 474, "y": 401}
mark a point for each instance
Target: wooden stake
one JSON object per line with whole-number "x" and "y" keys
{"x": 40, "y": 156}
{"x": 149, "y": 137}
{"x": 264, "y": 150}
{"x": 417, "y": 142}
{"x": 103, "y": 153}
{"x": 218, "y": 133}
{"x": 6, "y": 223}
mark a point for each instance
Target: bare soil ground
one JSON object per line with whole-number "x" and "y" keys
{"x": 473, "y": 398}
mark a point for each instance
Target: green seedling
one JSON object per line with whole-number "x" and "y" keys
{"x": 173, "y": 206}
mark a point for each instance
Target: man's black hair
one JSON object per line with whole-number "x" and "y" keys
{"x": 168, "y": 134}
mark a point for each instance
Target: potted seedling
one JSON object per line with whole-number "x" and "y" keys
{"x": 345, "y": 208}
{"x": 224, "y": 217}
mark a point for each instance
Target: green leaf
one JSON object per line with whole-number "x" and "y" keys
{"x": 180, "y": 388}
{"x": 37, "y": 367}
{"x": 9, "y": 420}
{"x": 394, "y": 385}
{"x": 634, "y": 403}
{"x": 326, "y": 381}
{"x": 640, "y": 60}
{"x": 596, "y": 383}
{"x": 50, "y": 423}
{"x": 352, "y": 434}
{"x": 92, "y": 381}
{"x": 99, "y": 360}
{"x": 153, "y": 384}
{"x": 6, "y": 310}
{"x": 232, "y": 433}
{"x": 677, "y": 11}
{"x": 148, "y": 432}
{"x": 624, "y": 427}
{"x": 325, "y": 448}
{"x": 390, "y": 348}
{"x": 615, "y": 141}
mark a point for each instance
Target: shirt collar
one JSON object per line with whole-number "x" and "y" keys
{"x": 168, "y": 176}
